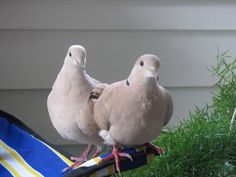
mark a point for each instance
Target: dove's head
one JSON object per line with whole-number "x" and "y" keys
{"x": 146, "y": 66}
{"x": 76, "y": 55}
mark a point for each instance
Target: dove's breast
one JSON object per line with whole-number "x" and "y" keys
{"x": 62, "y": 116}
{"x": 140, "y": 120}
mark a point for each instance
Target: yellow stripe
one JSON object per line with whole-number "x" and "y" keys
{"x": 20, "y": 159}
{"x": 97, "y": 160}
{"x": 65, "y": 159}
{"x": 9, "y": 168}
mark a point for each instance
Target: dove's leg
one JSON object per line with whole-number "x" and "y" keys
{"x": 116, "y": 154}
{"x": 84, "y": 156}
{"x": 81, "y": 159}
{"x": 159, "y": 150}
{"x": 97, "y": 153}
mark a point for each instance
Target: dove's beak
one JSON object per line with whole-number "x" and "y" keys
{"x": 79, "y": 64}
{"x": 153, "y": 72}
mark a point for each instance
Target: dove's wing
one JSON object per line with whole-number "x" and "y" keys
{"x": 87, "y": 123}
{"x": 103, "y": 107}
{"x": 92, "y": 80}
{"x": 170, "y": 108}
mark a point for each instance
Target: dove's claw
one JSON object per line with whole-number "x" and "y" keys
{"x": 77, "y": 163}
{"x": 159, "y": 150}
{"x": 122, "y": 154}
{"x": 84, "y": 156}
{"x": 96, "y": 154}
{"x": 116, "y": 154}
{"x": 79, "y": 160}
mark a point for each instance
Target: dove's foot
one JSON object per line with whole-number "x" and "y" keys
{"x": 159, "y": 150}
{"x": 84, "y": 156}
{"x": 76, "y": 164}
{"x": 79, "y": 160}
{"x": 116, "y": 154}
{"x": 97, "y": 153}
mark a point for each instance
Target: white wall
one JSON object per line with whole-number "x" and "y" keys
{"x": 35, "y": 35}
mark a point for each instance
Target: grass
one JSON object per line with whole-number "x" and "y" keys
{"x": 203, "y": 145}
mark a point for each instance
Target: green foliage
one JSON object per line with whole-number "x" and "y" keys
{"x": 224, "y": 100}
{"x": 203, "y": 145}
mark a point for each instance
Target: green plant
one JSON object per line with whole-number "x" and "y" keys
{"x": 224, "y": 99}
{"x": 203, "y": 145}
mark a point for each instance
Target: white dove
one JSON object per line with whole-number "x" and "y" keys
{"x": 69, "y": 105}
{"x": 133, "y": 111}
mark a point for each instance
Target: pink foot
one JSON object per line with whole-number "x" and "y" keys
{"x": 97, "y": 153}
{"x": 79, "y": 160}
{"x": 159, "y": 150}
{"x": 116, "y": 154}
{"x": 76, "y": 164}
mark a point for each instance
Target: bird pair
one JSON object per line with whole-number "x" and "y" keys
{"x": 130, "y": 112}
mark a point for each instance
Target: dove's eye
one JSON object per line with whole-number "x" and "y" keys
{"x": 70, "y": 54}
{"x": 141, "y": 63}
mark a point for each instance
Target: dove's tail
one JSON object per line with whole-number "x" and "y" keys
{"x": 107, "y": 137}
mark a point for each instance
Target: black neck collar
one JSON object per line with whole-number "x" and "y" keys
{"x": 127, "y": 82}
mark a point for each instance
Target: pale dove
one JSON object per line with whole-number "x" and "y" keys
{"x": 133, "y": 111}
{"x": 69, "y": 104}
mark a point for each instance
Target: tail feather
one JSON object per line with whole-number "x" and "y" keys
{"x": 107, "y": 137}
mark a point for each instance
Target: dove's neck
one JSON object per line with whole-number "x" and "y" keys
{"x": 142, "y": 84}
{"x": 73, "y": 72}
{"x": 74, "y": 67}
{"x": 140, "y": 77}
{"x": 72, "y": 64}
